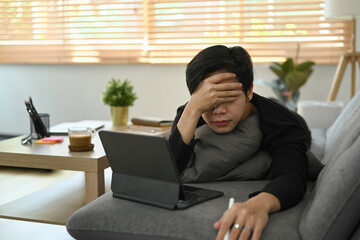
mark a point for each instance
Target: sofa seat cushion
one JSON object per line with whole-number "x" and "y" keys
{"x": 113, "y": 218}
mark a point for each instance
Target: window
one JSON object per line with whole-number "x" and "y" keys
{"x": 166, "y": 31}
{"x": 71, "y": 31}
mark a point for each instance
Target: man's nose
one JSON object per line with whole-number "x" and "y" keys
{"x": 219, "y": 109}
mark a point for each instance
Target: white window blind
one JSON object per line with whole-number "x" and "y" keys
{"x": 166, "y": 31}
{"x": 71, "y": 31}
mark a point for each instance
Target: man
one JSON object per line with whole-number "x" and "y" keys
{"x": 220, "y": 81}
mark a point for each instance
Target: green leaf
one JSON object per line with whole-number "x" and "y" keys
{"x": 288, "y": 65}
{"x": 304, "y": 66}
{"x": 295, "y": 79}
{"x": 276, "y": 68}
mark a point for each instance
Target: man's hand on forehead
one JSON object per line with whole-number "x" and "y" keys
{"x": 218, "y": 77}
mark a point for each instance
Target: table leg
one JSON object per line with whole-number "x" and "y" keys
{"x": 94, "y": 185}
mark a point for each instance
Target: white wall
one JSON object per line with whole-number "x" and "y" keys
{"x": 73, "y": 92}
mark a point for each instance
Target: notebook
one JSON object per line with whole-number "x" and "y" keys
{"x": 144, "y": 170}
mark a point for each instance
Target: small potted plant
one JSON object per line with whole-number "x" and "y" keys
{"x": 291, "y": 77}
{"x": 119, "y": 95}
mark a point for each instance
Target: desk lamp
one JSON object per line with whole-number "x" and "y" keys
{"x": 345, "y": 10}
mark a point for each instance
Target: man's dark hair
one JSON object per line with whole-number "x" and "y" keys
{"x": 215, "y": 58}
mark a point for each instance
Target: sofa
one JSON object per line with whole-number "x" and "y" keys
{"x": 329, "y": 210}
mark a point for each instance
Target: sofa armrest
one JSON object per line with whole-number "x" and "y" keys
{"x": 319, "y": 114}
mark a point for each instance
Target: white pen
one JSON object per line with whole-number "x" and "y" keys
{"x": 231, "y": 202}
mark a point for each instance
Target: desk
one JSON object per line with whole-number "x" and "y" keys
{"x": 57, "y": 156}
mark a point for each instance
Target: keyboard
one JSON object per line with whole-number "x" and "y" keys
{"x": 194, "y": 195}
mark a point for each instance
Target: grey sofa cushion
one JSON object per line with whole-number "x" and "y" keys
{"x": 344, "y": 131}
{"x": 113, "y": 218}
{"x": 228, "y": 156}
{"x": 333, "y": 212}
{"x": 316, "y": 153}
{"x": 318, "y": 140}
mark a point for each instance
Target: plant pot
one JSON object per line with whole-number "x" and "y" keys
{"x": 119, "y": 115}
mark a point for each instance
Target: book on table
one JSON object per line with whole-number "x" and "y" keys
{"x": 152, "y": 121}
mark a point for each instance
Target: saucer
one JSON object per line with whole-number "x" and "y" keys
{"x": 81, "y": 148}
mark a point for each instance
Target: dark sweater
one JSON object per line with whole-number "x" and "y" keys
{"x": 285, "y": 136}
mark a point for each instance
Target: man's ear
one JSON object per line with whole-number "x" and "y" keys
{"x": 250, "y": 92}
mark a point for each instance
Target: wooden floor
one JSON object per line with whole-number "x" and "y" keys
{"x": 31, "y": 198}
{"x": 18, "y": 230}
{"x": 19, "y": 182}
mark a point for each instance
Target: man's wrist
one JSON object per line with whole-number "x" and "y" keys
{"x": 268, "y": 201}
{"x": 193, "y": 111}
{"x": 187, "y": 124}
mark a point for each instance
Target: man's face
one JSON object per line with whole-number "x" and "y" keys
{"x": 225, "y": 116}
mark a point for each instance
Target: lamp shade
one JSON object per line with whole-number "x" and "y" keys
{"x": 342, "y": 9}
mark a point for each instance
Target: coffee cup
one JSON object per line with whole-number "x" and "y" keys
{"x": 80, "y": 138}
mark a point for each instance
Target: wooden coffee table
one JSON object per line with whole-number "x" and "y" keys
{"x": 58, "y": 157}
